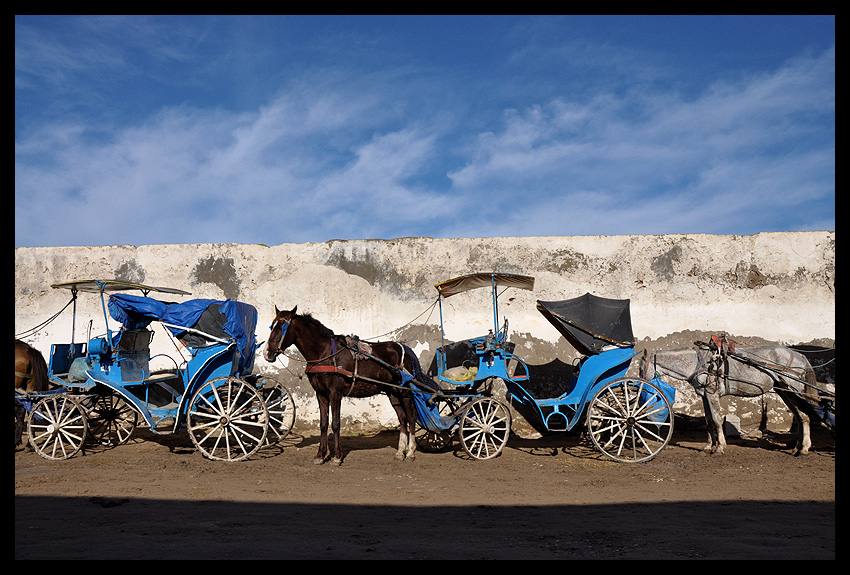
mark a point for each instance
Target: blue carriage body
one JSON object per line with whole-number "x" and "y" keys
{"x": 219, "y": 336}
{"x": 599, "y": 328}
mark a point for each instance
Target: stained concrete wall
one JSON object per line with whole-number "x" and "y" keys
{"x": 768, "y": 287}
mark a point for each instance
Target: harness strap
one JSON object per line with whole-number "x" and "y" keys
{"x": 327, "y": 369}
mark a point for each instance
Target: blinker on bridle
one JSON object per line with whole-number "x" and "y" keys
{"x": 283, "y": 329}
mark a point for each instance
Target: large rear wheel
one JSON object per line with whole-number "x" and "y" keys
{"x": 630, "y": 420}
{"x": 227, "y": 419}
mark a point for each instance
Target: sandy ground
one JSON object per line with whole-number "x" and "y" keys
{"x": 552, "y": 498}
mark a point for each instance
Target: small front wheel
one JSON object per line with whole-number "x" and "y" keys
{"x": 630, "y": 420}
{"x": 227, "y": 419}
{"x": 484, "y": 428}
{"x": 57, "y": 427}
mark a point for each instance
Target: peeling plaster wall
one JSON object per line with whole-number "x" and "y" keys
{"x": 768, "y": 287}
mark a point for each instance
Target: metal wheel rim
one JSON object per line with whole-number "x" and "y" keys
{"x": 630, "y": 420}
{"x": 111, "y": 420}
{"x": 281, "y": 407}
{"x": 484, "y": 428}
{"x": 57, "y": 427}
{"x": 227, "y": 419}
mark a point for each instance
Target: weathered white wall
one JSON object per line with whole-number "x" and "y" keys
{"x": 775, "y": 287}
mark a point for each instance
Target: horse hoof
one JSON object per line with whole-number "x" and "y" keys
{"x": 399, "y": 456}
{"x": 336, "y": 462}
{"x": 318, "y": 461}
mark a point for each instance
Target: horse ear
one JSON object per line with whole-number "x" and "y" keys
{"x": 276, "y": 311}
{"x": 293, "y": 310}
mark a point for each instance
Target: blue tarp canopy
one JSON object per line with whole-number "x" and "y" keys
{"x": 220, "y": 319}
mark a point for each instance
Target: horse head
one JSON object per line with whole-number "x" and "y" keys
{"x": 280, "y": 338}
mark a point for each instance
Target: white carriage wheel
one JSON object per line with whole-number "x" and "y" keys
{"x": 484, "y": 428}
{"x": 630, "y": 420}
{"x": 111, "y": 419}
{"x": 281, "y": 408}
{"x": 57, "y": 427}
{"x": 227, "y": 419}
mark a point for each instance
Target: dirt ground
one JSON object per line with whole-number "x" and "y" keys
{"x": 552, "y": 498}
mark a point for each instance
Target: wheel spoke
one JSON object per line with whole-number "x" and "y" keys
{"x": 228, "y": 419}
{"x": 484, "y": 428}
{"x": 630, "y": 420}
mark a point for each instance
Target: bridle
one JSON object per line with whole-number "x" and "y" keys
{"x": 280, "y": 351}
{"x": 285, "y": 326}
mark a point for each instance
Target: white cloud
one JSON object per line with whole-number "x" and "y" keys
{"x": 339, "y": 153}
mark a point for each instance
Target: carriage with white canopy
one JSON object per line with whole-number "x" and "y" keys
{"x": 628, "y": 419}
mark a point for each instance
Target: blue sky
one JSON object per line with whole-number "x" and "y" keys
{"x": 161, "y": 130}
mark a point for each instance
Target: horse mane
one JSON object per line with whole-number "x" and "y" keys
{"x": 308, "y": 319}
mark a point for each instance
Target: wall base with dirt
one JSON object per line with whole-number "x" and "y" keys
{"x": 764, "y": 288}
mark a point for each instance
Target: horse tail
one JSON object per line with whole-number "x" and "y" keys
{"x": 38, "y": 370}
{"x": 810, "y": 390}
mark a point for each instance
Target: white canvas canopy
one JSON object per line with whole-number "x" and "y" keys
{"x": 473, "y": 281}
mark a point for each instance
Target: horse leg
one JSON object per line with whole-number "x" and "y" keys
{"x": 410, "y": 411}
{"x": 714, "y": 422}
{"x": 801, "y": 425}
{"x": 20, "y": 414}
{"x": 336, "y": 405}
{"x": 322, "y": 454}
{"x": 402, "y": 444}
{"x": 403, "y": 439}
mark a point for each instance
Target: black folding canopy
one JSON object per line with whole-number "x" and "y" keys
{"x": 591, "y": 322}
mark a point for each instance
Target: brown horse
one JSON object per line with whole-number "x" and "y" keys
{"x": 30, "y": 376}
{"x": 336, "y": 371}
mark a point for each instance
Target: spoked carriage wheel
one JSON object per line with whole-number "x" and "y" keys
{"x": 630, "y": 420}
{"x": 227, "y": 419}
{"x": 281, "y": 408}
{"x": 111, "y": 420}
{"x": 57, "y": 427}
{"x": 484, "y": 428}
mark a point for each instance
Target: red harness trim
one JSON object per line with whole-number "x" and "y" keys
{"x": 327, "y": 369}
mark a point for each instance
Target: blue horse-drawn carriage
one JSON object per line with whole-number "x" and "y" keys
{"x": 628, "y": 419}
{"x": 103, "y": 387}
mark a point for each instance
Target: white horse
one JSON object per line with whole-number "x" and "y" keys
{"x": 751, "y": 371}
